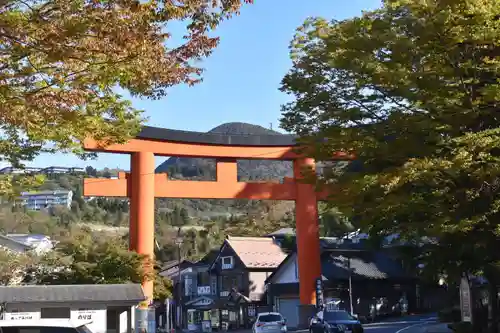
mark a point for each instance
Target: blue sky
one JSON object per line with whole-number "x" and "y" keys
{"x": 242, "y": 76}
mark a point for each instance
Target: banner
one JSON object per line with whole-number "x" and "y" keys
{"x": 465, "y": 300}
{"x": 145, "y": 320}
{"x": 319, "y": 293}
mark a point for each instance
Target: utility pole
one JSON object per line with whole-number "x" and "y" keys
{"x": 350, "y": 281}
{"x": 178, "y": 241}
{"x": 350, "y": 284}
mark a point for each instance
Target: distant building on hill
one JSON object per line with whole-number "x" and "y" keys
{"x": 47, "y": 170}
{"x": 45, "y": 199}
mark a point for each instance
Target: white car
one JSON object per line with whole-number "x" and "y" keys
{"x": 44, "y": 326}
{"x": 269, "y": 322}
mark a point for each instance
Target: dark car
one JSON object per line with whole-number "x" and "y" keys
{"x": 334, "y": 322}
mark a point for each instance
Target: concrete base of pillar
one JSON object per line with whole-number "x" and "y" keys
{"x": 305, "y": 314}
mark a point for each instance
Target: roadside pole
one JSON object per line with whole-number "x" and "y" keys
{"x": 178, "y": 241}
{"x": 350, "y": 285}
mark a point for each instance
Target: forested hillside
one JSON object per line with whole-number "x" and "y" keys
{"x": 110, "y": 217}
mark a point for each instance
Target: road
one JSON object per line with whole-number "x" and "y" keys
{"x": 410, "y": 324}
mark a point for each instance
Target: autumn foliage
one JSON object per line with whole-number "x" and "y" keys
{"x": 63, "y": 63}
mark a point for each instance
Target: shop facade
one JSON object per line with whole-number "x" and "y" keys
{"x": 376, "y": 279}
{"x": 109, "y": 308}
{"x": 226, "y": 292}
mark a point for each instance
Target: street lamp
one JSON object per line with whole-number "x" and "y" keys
{"x": 178, "y": 242}
{"x": 349, "y": 270}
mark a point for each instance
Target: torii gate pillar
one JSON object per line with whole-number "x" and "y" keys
{"x": 307, "y": 234}
{"x": 142, "y": 206}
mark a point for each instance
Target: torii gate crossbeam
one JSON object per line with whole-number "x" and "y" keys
{"x": 142, "y": 185}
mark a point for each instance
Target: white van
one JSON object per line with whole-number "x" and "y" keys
{"x": 44, "y": 326}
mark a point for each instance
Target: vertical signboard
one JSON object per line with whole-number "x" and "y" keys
{"x": 465, "y": 300}
{"x": 319, "y": 293}
{"x": 141, "y": 320}
{"x": 151, "y": 319}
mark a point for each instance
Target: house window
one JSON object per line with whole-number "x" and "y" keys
{"x": 228, "y": 283}
{"x": 188, "y": 285}
{"x": 227, "y": 262}
{"x": 203, "y": 279}
{"x": 54, "y": 313}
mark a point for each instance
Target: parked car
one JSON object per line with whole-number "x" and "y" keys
{"x": 44, "y": 326}
{"x": 335, "y": 322}
{"x": 269, "y": 322}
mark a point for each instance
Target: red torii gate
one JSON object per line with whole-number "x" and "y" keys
{"x": 142, "y": 185}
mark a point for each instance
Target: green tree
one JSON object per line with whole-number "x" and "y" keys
{"x": 184, "y": 216}
{"x": 84, "y": 259}
{"x": 90, "y": 171}
{"x": 333, "y": 223}
{"x": 412, "y": 90}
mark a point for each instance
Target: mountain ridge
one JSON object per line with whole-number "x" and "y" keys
{"x": 248, "y": 170}
{"x": 205, "y": 169}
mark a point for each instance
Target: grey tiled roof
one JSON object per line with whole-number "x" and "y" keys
{"x": 164, "y": 134}
{"x": 68, "y": 293}
{"x": 9, "y": 242}
{"x": 364, "y": 264}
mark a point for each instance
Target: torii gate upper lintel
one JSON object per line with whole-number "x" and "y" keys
{"x": 142, "y": 185}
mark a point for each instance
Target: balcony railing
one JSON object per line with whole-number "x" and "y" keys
{"x": 224, "y": 293}
{"x": 227, "y": 266}
{"x": 203, "y": 290}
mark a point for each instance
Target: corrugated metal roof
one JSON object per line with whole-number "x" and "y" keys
{"x": 72, "y": 293}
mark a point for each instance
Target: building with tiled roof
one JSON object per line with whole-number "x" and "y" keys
{"x": 229, "y": 283}
{"x": 257, "y": 252}
{"x": 106, "y": 307}
{"x": 374, "y": 275}
{"x": 247, "y": 275}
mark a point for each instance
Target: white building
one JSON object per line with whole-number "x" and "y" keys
{"x": 109, "y": 307}
{"x": 45, "y": 199}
